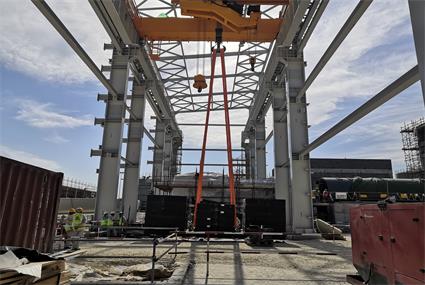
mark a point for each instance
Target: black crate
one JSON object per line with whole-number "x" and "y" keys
{"x": 264, "y": 213}
{"x": 166, "y": 211}
{"x": 214, "y": 216}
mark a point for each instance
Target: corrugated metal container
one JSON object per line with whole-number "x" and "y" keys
{"x": 29, "y": 204}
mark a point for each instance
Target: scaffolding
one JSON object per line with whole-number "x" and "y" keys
{"x": 411, "y": 147}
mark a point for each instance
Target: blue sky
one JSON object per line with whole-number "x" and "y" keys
{"x": 48, "y": 97}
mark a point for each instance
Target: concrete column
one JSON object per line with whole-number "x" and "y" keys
{"x": 281, "y": 150}
{"x": 260, "y": 147}
{"x": 107, "y": 185}
{"x": 417, "y": 16}
{"x": 133, "y": 155}
{"x": 158, "y": 154}
{"x": 301, "y": 206}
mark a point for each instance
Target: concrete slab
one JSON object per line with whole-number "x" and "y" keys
{"x": 234, "y": 262}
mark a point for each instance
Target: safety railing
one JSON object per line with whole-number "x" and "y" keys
{"x": 155, "y": 258}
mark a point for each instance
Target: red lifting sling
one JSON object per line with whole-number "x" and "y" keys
{"x": 228, "y": 138}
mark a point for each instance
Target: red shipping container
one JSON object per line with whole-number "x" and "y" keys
{"x": 29, "y": 200}
{"x": 388, "y": 242}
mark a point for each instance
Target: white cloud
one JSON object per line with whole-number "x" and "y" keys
{"x": 350, "y": 73}
{"x": 56, "y": 139}
{"x": 41, "y": 115}
{"x": 29, "y": 158}
{"x": 32, "y": 46}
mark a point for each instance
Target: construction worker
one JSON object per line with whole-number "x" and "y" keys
{"x": 79, "y": 217}
{"x": 106, "y": 222}
{"x": 69, "y": 220}
{"x": 120, "y": 221}
{"x": 113, "y": 222}
{"x": 71, "y": 226}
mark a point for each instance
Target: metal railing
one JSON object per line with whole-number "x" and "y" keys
{"x": 155, "y": 243}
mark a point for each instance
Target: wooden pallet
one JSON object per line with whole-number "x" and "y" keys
{"x": 52, "y": 272}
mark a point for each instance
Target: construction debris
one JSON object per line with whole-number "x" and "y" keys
{"x": 328, "y": 231}
{"x": 145, "y": 270}
{"x": 22, "y": 266}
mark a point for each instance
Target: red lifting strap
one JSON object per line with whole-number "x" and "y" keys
{"x": 228, "y": 138}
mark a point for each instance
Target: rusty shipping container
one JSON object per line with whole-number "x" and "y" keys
{"x": 29, "y": 198}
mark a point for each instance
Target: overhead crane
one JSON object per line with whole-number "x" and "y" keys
{"x": 216, "y": 21}
{"x": 202, "y": 24}
{"x": 283, "y": 78}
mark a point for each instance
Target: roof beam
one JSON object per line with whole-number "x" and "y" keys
{"x": 73, "y": 43}
{"x": 337, "y": 41}
{"x": 210, "y": 125}
{"x": 177, "y": 79}
{"x": 208, "y": 55}
{"x": 210, "y": 149}
{"x": 379, "y": 99}
{"x": 417, "y": 17}
{"x": 213, "y": 94}
{"x": 313, "y": 24}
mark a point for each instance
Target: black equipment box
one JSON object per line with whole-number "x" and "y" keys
{"x": 214, "y": 216}
{"x": 166, "y": 211}
{"x": 267, "y": 214}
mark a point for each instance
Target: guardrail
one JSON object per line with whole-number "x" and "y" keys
{"x": 155, "y": 243}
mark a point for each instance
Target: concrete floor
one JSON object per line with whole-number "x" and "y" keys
{"x": 293, "y": 262}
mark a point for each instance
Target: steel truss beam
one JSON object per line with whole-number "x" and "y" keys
{"x": 211, "y": 149}
{"x": 210, "y": 125}
{"x": 206, "y": 95}
{"x": 208, "y": 55}
{"x": 116, "y": 20}
{"x": 175, "y": 84}
{"x": 247, "y": 75}
{"x": 294, "y": 17}
{"x": 379, "y": 99}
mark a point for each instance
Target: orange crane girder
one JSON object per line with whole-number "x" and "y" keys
{"x": 221, "y": 14}
{"x": 198, "y": 29}
{"x": 252, "y": 2}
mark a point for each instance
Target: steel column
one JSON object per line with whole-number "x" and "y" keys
{"x": 300, "y": 204}
{"x": 417, "y": 16}
{"x": 112, "y": 137}
{"x": 158, "y": 153}
{"x": 133, "y": 154}
{"x": 252, "y": 153}
{"x": 281, "y": 150}
{"x": 167, "y": 153}
{"x": 247, "y": 156}
{"x": 260, "y": 147}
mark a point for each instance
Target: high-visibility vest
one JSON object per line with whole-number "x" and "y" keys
{"x": 106, "y": 222}
{"x": 69, "y": 223}
{"x": 78, "y": 219}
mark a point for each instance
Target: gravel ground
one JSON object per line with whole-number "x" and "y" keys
{"x": 292, "y": 262}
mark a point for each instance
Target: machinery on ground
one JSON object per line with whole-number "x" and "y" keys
{"x": 388, "y": 243}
